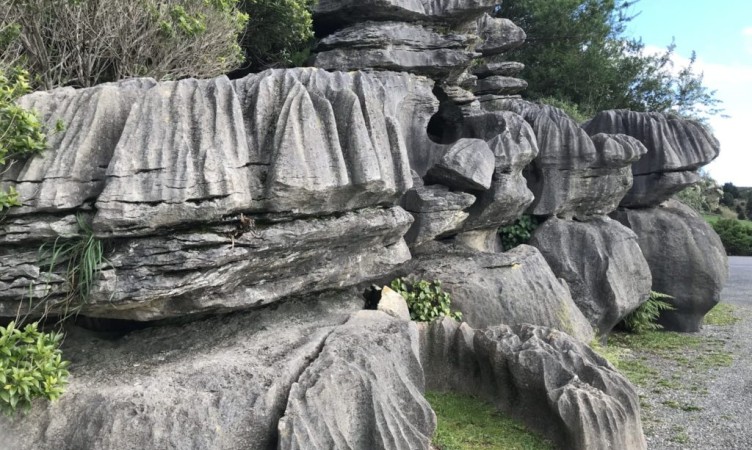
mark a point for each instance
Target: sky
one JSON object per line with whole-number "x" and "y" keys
{"x": 721, "y": 33}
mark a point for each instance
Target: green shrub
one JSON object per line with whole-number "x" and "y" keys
{"x": 21, "y": 132}
{"x": 643, "y": 319}
{"x": 735, "y": 236}
{"x": 278, "y": 33}
{"x": 518, "y": 233}
{"x": 570, "y": 108}
{"x": 86, "y": 42}
{"x": 31, "y": 366}
{"x": 425, "y": 300}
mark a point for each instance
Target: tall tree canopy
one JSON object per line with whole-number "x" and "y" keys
{"x": 577, "y": 52}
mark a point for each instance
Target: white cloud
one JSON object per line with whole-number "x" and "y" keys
{"x": 747, "y": 36}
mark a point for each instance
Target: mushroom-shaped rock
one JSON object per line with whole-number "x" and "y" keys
{"x": 467, "y": 165}
{"x": 686, "y": 258}
{"x": 543, "y": 377}
{"x": 498, "y": 35}
{"x": 601, "y": 262}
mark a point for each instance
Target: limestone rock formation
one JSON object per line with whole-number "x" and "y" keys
{"x": 331, "y": 12}
{"x": 437, "y": 212}
{"x": 555, "y": 384}
{"x": 373, "y": 358}
{"x": 601, "y": 262}
{"x": 573, "y": 175}
{"x": 686, "y": 258}
{"x": 467, "y": 165}
{"x": 510, "y": 288}
{"x": 676, "y": 149}
{"x": 498, "y": 35}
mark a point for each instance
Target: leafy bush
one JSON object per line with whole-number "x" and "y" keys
{"x": 571, "y": 109}
{"x": 87, "y": 42}
{"x": 31, "y": 366}
{"x": 643, "y": 319}
{"x": 519, "y": 232}
{"x": 736, "y": 237}
{"x": 425, "y": 300}
{"x": 21, "y": 132}
{"x": 278, "y": 32}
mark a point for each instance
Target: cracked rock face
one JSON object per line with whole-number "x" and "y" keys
{"x": 490, "y": 289}
{"x": 686, "y": 258}
{"x": 328, "y": 12}
{"x": 543, "y": 377}
{"x": 676, "y": 148}
{"x": 601, "y": 262}
{"x": 373, "y": 358}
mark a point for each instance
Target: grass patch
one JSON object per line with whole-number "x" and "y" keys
{"x": 722, "y": 314}
{"x": 465, "y": 423}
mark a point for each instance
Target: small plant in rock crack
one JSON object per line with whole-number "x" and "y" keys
{"x": 31, "y": 366}
{"x": 425, "y": 300}
{"x": 82, "y": 258}
{"x": 518, "y": 233}
{"x": 644, "y": 318}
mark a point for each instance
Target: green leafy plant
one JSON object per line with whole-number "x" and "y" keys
{"x": 518, "y": 233}
{"x": 21, "y": 132}
{"x": 643, "y": 319}
{"x": 82, "y": 258}
{"x": 425, "y": 300}
{"x": 31, "y": 366}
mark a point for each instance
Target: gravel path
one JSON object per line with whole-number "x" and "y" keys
{"x": 709, "y": 409}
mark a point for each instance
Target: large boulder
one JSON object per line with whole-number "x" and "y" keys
{"x": 555, "y": 384}
{"x": 219, "y": 383}
{"x": 686, "y": 258}
{"x": 676, "y": 149}
{"x": 468, "y": 165}
{"x": 573, "y": 174}
{"x": 498, "y": 35}
{"x": 437, "y": 211}
{"x": 490, "y": 289}
{"x": 364, "y": 390}
{"x": 602, "y": 264}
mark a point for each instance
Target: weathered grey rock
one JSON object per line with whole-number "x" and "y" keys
{"x": 220, "y": 268}
{"x": 364, "y": 390}
{"x": 489, "y": 289}
{"x": 673, "y": 144}
{"x": 686, "y": 258}
{"x": 676, "y": 148}
{"x": 435, "y": 198}
{"x": 500, "y": 85}
{"x": 337, "y": 13}
{"x": 514, "y": 145}
{"x": 250, "y": 145}
{"x": 574, "y": 175}
{"x": 398, "y": 46}
{"x": 432, "y": 225}
{"x": 484, "y": 241}
{"x": 601, "y": 262}
{"x": 394, "y": 304}
{"x": 498, "y": 35}
{"x": 502, "y": 68}
{"x": 655, "y": 188}
{"x": 467, "y": 165}
{"x": 555, "y": 384}
{"x": 72, "y": 170}
{"x": 220, "y": 383}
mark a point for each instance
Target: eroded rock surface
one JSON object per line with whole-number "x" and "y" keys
{"x": 490, "y": 289}
{"x": 686, "y": 258}
{"x": 676, "y": 149}
{"x": 554, "y": 383}
{"x": 601, "y": 262}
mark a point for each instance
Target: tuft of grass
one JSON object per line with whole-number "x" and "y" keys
{"x": 723, "y": 314}
{"x": 465, "y": 423}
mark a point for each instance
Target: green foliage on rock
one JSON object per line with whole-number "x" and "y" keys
{"x": 425, "y": 300}
{"x": 735, "y": 235}
{"x": 31, "y": 366}
{"x": 278, "y": 32}
{"x": 86, "y": 42}
{"x": 577, "y": 51}
{"x": 644, "y": 318}
{"x": 21, "y": 132}
{"x": 518, "y": 233}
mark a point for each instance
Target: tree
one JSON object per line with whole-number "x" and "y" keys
{"x": 731, "y": 189}
{"x": 577, "y": 52}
